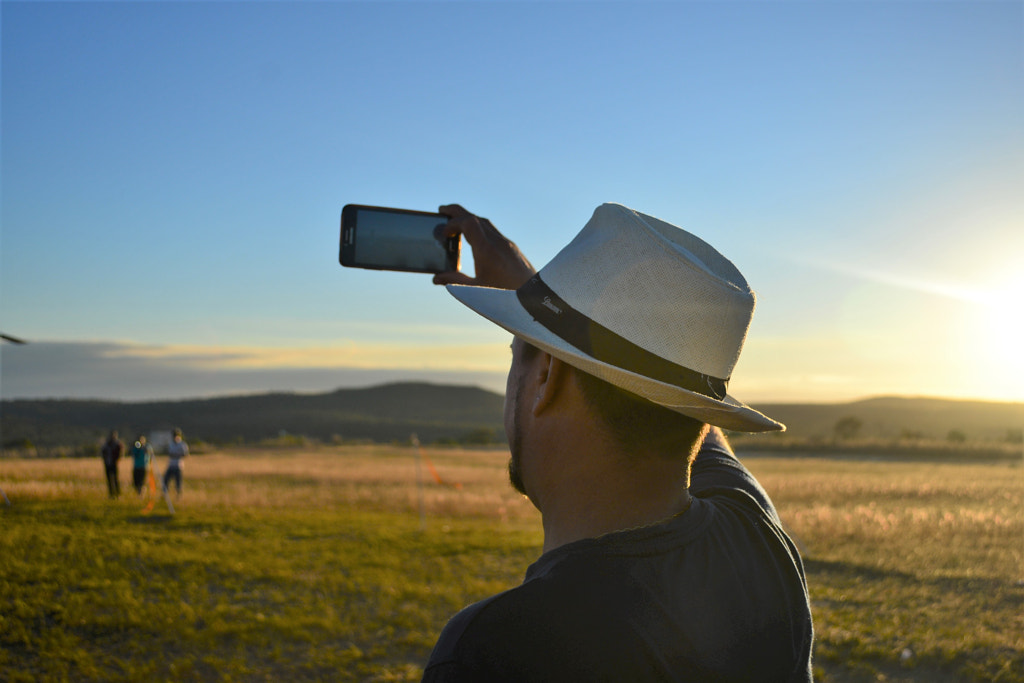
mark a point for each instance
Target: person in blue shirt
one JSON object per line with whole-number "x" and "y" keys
{"x": 177, "y": 451}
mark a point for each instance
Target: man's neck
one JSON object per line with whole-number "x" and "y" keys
{"x": 557, "y": 534}
{"x": 605, "y": 493}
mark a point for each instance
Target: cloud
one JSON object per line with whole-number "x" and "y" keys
{"x": 476, "y": 357}
{"x": 1002, "y": 286}
{"x": 132, "y": 372}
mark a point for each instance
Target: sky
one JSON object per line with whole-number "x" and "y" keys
{"x": 173, "y": 175}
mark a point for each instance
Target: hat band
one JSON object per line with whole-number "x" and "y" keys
{"x": 600, "y": 343}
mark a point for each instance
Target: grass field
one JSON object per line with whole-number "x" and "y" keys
{"x": 333, "y": 564}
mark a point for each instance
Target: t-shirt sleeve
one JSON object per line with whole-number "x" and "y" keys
{"x": 447, "y": 662}
{"x": 716, "y": 468}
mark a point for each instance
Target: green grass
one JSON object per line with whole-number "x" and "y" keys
{"x": 107, "y": 594}
{"x": 317, "y": 566}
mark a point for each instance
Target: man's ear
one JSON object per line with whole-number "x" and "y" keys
{"x": 553, "y": 375}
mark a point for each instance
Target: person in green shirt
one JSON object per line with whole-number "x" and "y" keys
{"x": 142, "y": 455}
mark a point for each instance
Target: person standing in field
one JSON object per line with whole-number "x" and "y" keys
{"x": 112, "y": 451}
{"x": 663, "y": 558}
{"x": 177, "y": 450}
{"x": 142, "y": 457}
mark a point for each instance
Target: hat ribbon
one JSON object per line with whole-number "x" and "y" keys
{"x": 600, "y": 343}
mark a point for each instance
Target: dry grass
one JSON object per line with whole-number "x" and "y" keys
{"x": 383, "y": 478}
{"x": 938, "y": 519}
{"x": 915, "y": 569}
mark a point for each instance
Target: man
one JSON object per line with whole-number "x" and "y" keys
{"x": 112, "y": 451}
{"x": 177, "y": 451}
{"x": 652, "y": 570}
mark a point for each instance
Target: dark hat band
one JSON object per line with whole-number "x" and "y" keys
{"x": 600, "y": 343}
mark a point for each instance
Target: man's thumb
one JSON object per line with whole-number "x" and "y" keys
{"x": 453, "y": 277}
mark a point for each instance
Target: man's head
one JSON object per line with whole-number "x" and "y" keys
{"x": 642, "y": 305}
{"x": 639, "y": 428}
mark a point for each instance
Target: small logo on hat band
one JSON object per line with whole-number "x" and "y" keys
{"x": 547, "y": 302}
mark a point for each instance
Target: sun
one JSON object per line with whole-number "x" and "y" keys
{"x": 987, "y": 359}
{"x": 998, "y": 335}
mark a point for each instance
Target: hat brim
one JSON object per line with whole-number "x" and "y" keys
{"x": 502, "y": 307}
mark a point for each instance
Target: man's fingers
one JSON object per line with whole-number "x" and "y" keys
{"x": 452, "y": 210}
{"x": 457, "y": 218}
{"x": 461, "y": 221}
{"x": 497, "y": 260}
{"x": 453, "y": 277}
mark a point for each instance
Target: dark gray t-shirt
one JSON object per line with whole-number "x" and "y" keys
{"x": 715, "y": 594}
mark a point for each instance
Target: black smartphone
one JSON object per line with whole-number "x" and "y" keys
{"x": 396, "y": 239}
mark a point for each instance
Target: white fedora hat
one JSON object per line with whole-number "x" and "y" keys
{"x": 643, "y": 305}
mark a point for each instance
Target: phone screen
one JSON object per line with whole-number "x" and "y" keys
{"x": 395, "y": 239}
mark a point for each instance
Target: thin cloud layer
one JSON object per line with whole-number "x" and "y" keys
{"x": 128, "y": 372}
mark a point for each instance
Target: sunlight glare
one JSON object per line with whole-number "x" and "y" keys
{"x": 1000, "y": 330}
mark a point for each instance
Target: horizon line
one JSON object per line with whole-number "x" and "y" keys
{"x": 415, "y": 381}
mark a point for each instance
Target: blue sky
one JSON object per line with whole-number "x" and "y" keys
{"x": 173, "y": 175}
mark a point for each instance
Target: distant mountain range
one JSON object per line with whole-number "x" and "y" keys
{"x": 894, "y": 417}
{"x": 384, "y": 413}
{"x": 434, "y": 413}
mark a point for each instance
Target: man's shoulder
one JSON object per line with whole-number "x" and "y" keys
{"x": 457, "y": 626}
{"x": 716, "y": 472}
{"x": 481, "y": 624}
{"x": 507, "y": 633}
{"x": 491, "y": 618}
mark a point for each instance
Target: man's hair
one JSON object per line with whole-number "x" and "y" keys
{"x": 638, "y": 425}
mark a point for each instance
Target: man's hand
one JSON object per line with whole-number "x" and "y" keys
{"x": 499, "y": 263}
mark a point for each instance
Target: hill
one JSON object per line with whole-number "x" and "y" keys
{"x": 457, "y": 413}
{"x": 895, "y": 417}
{"x": 382, "y": 413}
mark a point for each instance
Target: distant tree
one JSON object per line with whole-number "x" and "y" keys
{"x": 1014, "y": 436}
{"x": 848, "y": 427}
{"x": 956, "y": 436}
